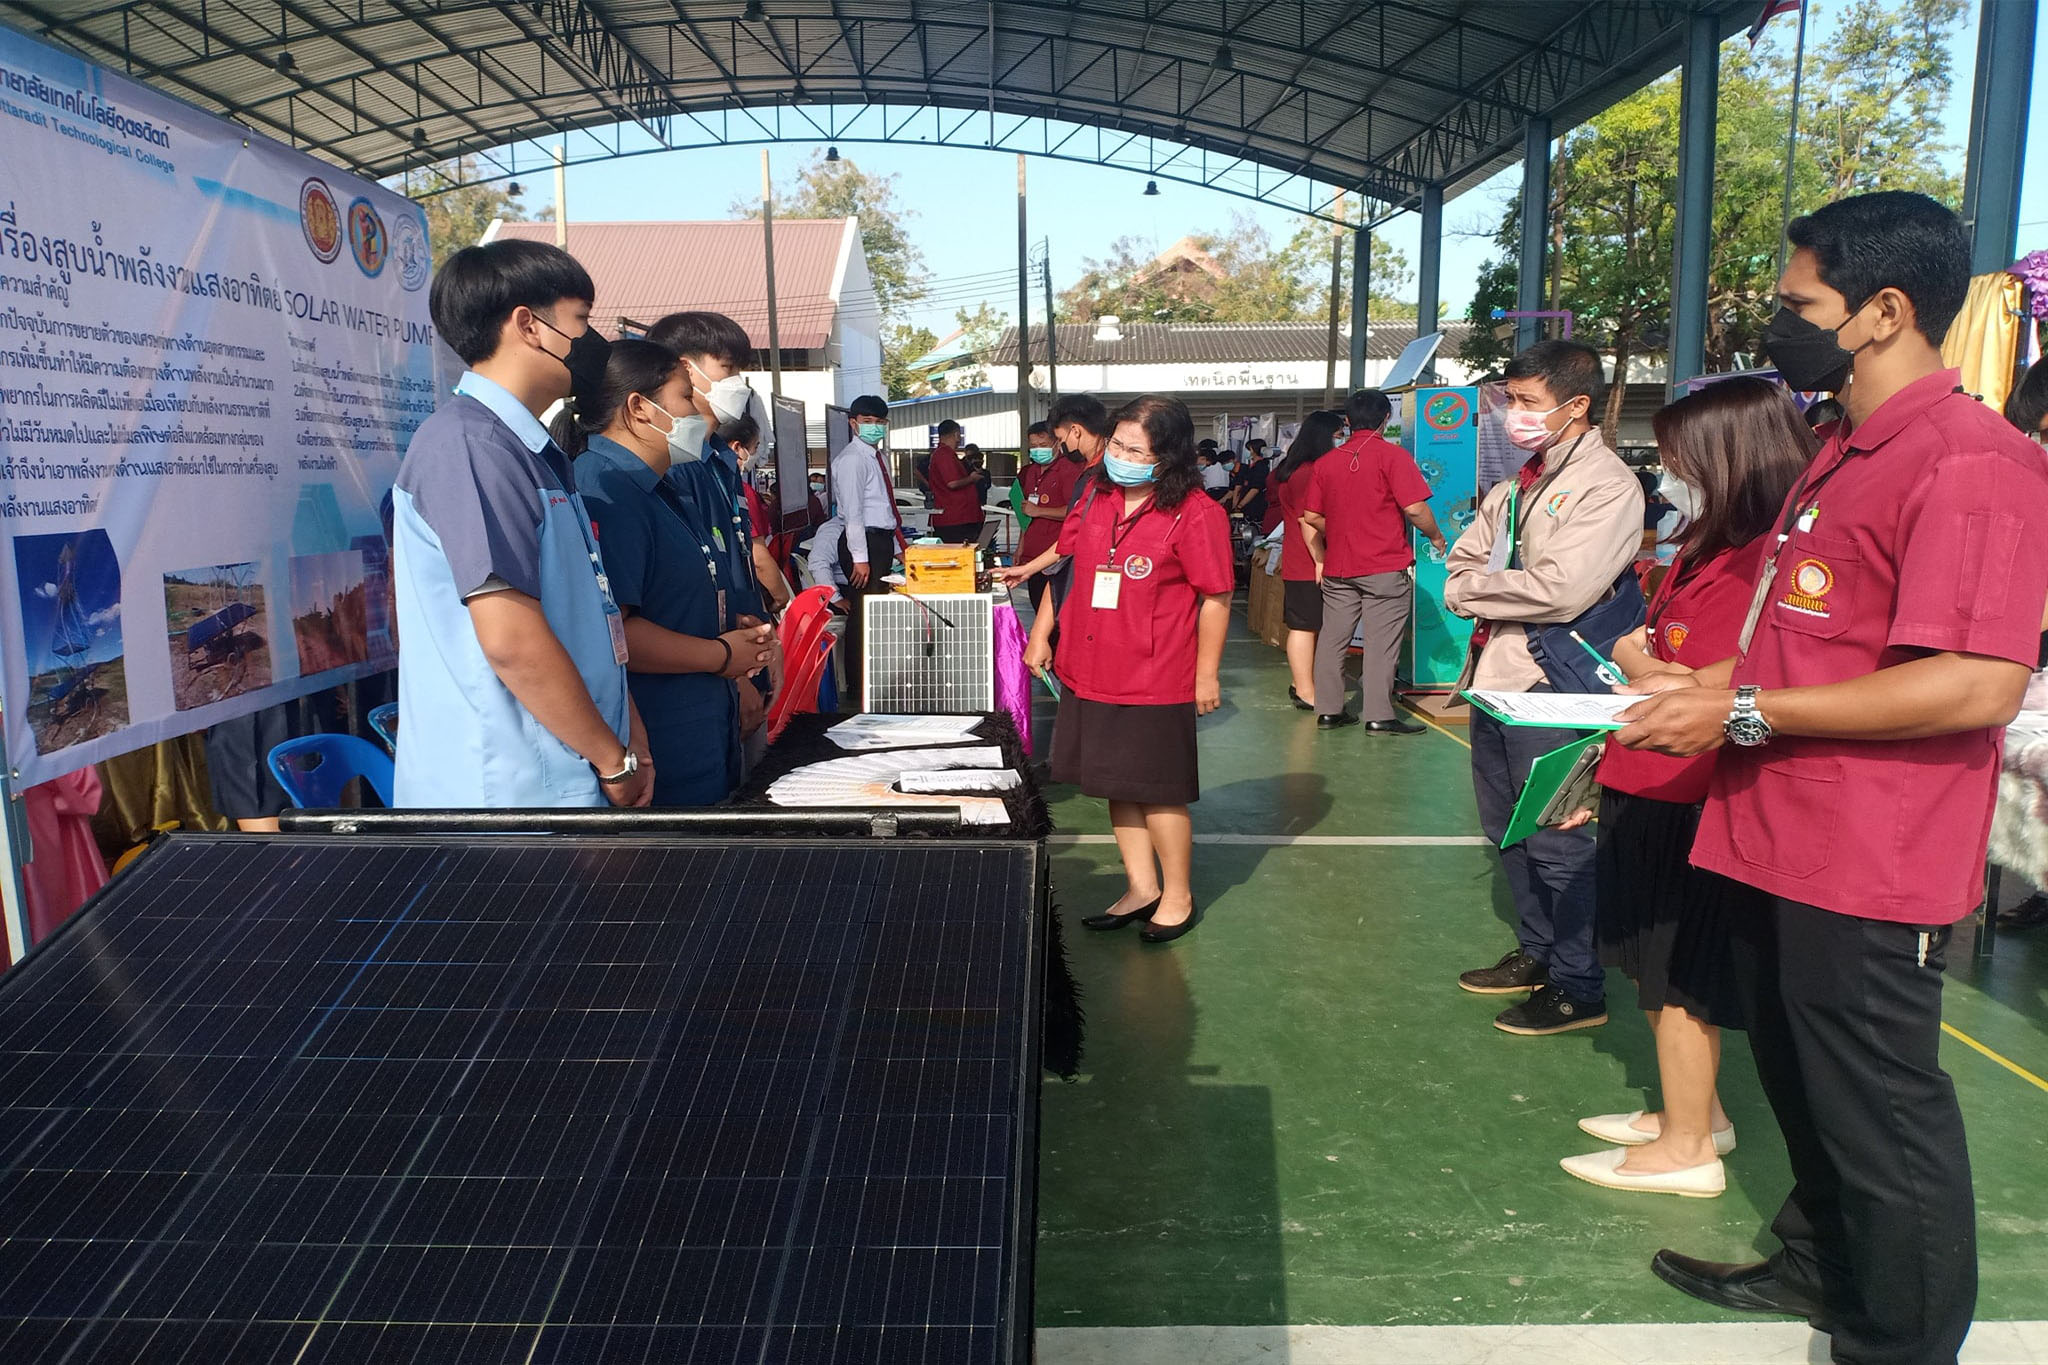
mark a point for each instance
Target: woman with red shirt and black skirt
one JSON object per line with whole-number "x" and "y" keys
{"x": 1732, "y": 453}
{"x": 1301, "y": 553}
{"x": 1141, "y": 640}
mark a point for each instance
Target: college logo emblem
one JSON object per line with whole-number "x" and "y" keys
{"x": 409, "y": 249}
{"x": 1138, "y": 566}
{"x": 1446, "y": 411}
{"x": 1812, "y": 581}
{"x": 1675, "y": 636}
{"x": 1556, "y": 502}
{"x": 320, "y": 218}
{"x": 367, "y": 237}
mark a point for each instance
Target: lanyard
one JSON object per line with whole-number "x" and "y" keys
{"x": 1121, "y": 530}
{"x": 1795, "y": 511}
{"x": 1542, "y": 482}
{"x": 678, "y": 509}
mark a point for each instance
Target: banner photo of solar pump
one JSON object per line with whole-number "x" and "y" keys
{"x": 213, "y": 350}
{"x": 1441, "y": 430}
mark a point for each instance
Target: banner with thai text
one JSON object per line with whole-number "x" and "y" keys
{"x": 213, "y": 350}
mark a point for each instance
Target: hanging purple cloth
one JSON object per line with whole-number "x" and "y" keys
{"x": 1013, "y": 680}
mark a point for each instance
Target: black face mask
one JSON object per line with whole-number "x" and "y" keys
{"x": 588, "y": 355}
{"x": 1812, "y": 359}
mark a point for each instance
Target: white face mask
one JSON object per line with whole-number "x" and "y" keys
{"x": 1683, "y": 497}
{"x": 685, "y": 435}
{"x": 728, "y": 396}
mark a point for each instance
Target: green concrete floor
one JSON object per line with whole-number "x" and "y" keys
{"x": 1293, "y": 1115}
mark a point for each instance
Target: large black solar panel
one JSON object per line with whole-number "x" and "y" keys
{"x": 328, "y": 1099}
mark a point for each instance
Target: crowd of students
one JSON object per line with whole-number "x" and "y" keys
{"x": 1792, "y": 817}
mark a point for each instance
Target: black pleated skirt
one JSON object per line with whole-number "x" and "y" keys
{"x": 1686, "y": 937}
{"x": 1144, "y": 754}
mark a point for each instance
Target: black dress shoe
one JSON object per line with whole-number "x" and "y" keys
{"x": 1169, "y": 932}
{"x": 1108, "y": 921}
{"x": 1336, "y": 722}
{"x": 1748, "y": 1288}
{"x": 1396, "y": 726}
{"x": 1299, "y": 704}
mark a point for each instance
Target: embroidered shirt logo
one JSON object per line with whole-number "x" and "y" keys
{"x": 1675, "y": 636}
{"x": 1556, "y": 502}
{"x": 1138, "y": 566}
{"x": 1812, "y": 581}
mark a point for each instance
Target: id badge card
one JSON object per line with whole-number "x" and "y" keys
{"x": 617, "y": 623}
{"x": 1109, "y": 587}
{"x": 724, "y": 621}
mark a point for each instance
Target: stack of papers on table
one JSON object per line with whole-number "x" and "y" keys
{"x": 878, "y": 731}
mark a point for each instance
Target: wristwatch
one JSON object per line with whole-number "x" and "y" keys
{"x": 632, "y": 766}
{"x": 1746, "y": 725}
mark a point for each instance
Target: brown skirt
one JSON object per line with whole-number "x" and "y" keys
{"x": 1144, "y": 754}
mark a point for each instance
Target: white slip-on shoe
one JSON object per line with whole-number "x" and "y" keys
{"x": 1604, "y": 1169}
{"x": 1620, "y": 1130}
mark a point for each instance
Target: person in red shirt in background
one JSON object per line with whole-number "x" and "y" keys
{"x": 1080, "y": 426}
{"x": 1141, "y": 643}
{"x": 1731, "y": 454}
{"x": 1361, "y": 502}
{"x": 1048, "y": 480}
{"x": 1890, "y": 640}
{"x": 956, "y": 494}
{"x": 1301, "y": 551}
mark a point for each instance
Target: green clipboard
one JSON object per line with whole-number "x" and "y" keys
{"x": 1558, "y": 784}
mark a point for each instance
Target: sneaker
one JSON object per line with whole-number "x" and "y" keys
{"x": 1551, "y": 1011}
{"x": 1513, "y": 973}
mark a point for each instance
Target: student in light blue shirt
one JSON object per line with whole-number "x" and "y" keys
{"x": 512, "y": 653}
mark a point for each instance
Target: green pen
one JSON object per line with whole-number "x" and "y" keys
{"x": 1610, "y": 672}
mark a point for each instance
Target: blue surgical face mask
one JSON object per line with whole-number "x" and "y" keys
{"x": 1041, "y": 454}
{"x": 874, "y": 433}
{"x": 1128, "y": 473}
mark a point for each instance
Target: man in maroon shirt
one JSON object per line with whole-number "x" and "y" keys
{"x": 956, "y": 493}
{"x": 1362, "y": 497}
{"x": 1888, "y": 644}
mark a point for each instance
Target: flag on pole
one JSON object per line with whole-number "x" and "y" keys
{"x": 1772, "y": 9}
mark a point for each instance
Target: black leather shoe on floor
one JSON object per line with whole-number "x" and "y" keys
{"x": 1749, "y": 1288}
{"x": 1336, "y": 722}
{"x": 1299, "y": 704}
{"x": 1550, "y": 1011}
{"x": 1169, "y": 932}
{"x": 1109, "y": 921}
{"x": 1511, "y": 975}
{"x": 1396, "y": 726}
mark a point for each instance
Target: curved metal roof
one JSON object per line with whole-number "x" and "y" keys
{"x": 1375, "y": 96}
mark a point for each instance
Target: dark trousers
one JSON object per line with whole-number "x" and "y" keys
{"x": 1550, "y": 873}
{"x": 1380, "y": 603}
{"x": 881, "y": 556}
{"x": 1881, "y": 1224}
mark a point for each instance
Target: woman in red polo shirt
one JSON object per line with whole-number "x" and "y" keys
{"x": 1301, "y": 557}
{"x": 1141, "y": 639}
{"x": 1732, "y": 453}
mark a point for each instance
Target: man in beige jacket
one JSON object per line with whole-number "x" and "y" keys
{"x": 1546, "y": 545}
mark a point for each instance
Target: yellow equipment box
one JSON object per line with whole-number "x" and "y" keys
{"x": 933, "y": 569}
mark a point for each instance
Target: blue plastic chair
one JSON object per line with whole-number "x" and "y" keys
{"x": 384, "y": 720}
{"x": 314, "y": 770}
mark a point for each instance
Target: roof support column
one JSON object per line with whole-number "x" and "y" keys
{"x": 1698, "y": 98}
{"x": 1430, "y": 263}
{"x": 1998, "y": 133}
{"x": 1361, "y": 301}
{"x": 1530, "y": 294}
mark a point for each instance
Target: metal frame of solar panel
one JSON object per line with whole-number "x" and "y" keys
{"x": 507, "y": 1098}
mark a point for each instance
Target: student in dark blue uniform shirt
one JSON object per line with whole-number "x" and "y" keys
{"x": 686, "y": 666}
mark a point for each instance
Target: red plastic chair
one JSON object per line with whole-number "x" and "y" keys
{"x": 806, "y": 648}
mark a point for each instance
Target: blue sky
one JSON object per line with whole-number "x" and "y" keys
{"x": 964, "y": 199}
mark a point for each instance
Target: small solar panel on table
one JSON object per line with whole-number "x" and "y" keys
{"x": 329, "y": 1099}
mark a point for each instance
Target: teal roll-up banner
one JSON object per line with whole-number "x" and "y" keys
{"x": 1440, "y": 427}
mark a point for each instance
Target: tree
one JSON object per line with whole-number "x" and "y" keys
{"x": 980, "y": 330}
{"x": 902, "y": 346}
{"x": 459, "y": 217}
{"x": 1870, "y": 95}
{"x": 1233, "y": 276}
{"x": 841, "y": 189}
